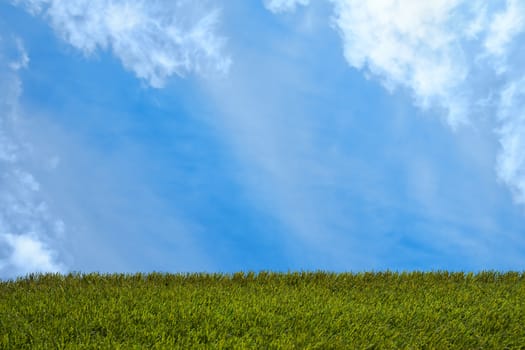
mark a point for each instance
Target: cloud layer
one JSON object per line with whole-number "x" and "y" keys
{"x": 25, "y": 220}
{"x": 154, "y": 39}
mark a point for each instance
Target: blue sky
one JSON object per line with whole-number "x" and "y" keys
{"x": 217, "y": 136}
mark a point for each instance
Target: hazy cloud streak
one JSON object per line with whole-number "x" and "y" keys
{"x": 278, "y": 6}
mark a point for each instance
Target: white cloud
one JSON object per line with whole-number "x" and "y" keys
{"x": 451, "y": 54}
{"x": 278, "y": 6}
{"x": 154, "y": 39}
{"x": 25, "y": 219}
{"x": 414, "y": 44}
{"x": 454, "y": 55}
{"x": 27, "y": 255}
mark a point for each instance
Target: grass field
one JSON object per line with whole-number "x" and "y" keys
{"x": 265, "y": 310}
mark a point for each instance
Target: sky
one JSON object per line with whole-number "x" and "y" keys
{"x": 221, "y": 136}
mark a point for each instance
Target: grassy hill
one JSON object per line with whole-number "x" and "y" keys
{"x": 265, "y": 310}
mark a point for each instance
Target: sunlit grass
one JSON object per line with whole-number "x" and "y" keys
{"x": 298, "y": 310}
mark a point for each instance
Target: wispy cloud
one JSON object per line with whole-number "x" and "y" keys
{"x": 25, "y": 220}
{"x": 503, "y": 28}
{"x": 459, "y": 57}
{"x": 278, "y": 6}
{"x": 511, "y": 160}
{"x": 154, "y": 39}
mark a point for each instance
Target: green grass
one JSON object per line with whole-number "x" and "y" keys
{"x": 301, "y": 310}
